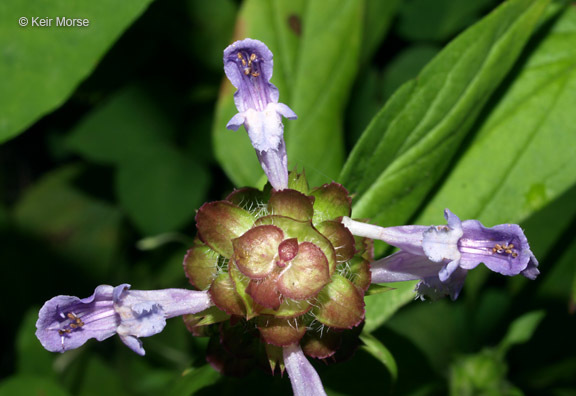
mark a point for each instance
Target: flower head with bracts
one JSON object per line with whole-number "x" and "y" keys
{"x": 281, "y": 274}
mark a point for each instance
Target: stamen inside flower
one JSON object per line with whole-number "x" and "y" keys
{"x": 505, "y": 248}
{"x": 73, "y": 322}
{"x": 256, "y": 91}
{"x": 79, "y": 317}
{"x": 249, "y": 67}
{"x": 77, "y": 321}
{"x": 502, "y": 248}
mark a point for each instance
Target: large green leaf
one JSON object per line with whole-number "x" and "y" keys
{"x": 524, "y": 156}
{"x": 163, "y": 192}
{"x": 316, "y": 47}
{"x": 193, "y": 380}
{"x": 532, "y": 181}
{"x": 380, "y": 307}
{"x": 128, "y": 126}
{"x": 26, "y": 385}
{"x": 373, "y": 88}
{"x": 378, "y": 16}
{"x": 546, "y": 226}
{"x": 327, "y": 63}
{"x": 213, "y": 23}
{"x": 436, "y": 329}
{"x": 410, "y": 142}
{"x": 159, "y": 187}
{"x": 99, "y": 378}
{"x": 384, "y": 305}
{"x": 558, "y": 281}
{"x": 41, "y": 66}
{"x": 70, "y": 221}
{"x": 405, "y": 66}
{"x": 437, "y": 20}
{"x": 32, "y": 358}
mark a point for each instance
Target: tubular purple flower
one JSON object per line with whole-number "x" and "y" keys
{"x": 440, "y": 256}
{"x": 67, "y": 322}
{"x": 248, "y": 65}
{"x": 304, "y": 379}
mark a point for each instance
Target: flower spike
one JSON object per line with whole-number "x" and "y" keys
{"x": 248, "y": 65}
{"x": 67, "y": 322}
{"x": 441, "y": 256}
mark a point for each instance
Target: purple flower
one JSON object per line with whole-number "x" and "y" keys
{"x": 248, "y": 65}
{"x": 440, "y": 256}
{"x": 67, "y": 322}
{"x": 305, "y": 380}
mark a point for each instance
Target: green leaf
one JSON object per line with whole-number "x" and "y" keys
{"x": 545, "y": 227}
{"x": 380, "y": 307}
{"x": 159, "y": 187}
{"x": 3, "y": 216}
{"x": 128, "y": 126}
{"x": 410, "y": 142}
{"x": 193, "y": 380}
{"x": 529, "y": 139}
{"x": 406, "y": 65}
{"x": 367, "y": 101}
{"x": 437, "y": 20}
{"x": 159, "y": 240}
{"x": 573, "y": 295}
{"x": 485, "y": 373}
{"x": 482, "y": 374}
{"x": 41, "y": 66}
{"x": 26, "y": 385}
{"x": 557, "y": 374}
{"x": 213, "y": 25}
{"x": 313, "y": 75}
{"x": 327, "y": 64}
{"x": 373, "y": 346}
{"x": 374, "y": 86}
{"x": 145, "y": 377}
{"x": 377, "y": 289}
{"x": 491, "y": 308}
{"x": 161, "y": 193}
{"x": 557, "y": 282}
{"x": 378, "y": 16}
{"x": 32, "y": 358}
{"x": 521, "y": 330}
{"x": 100, "y": 379}
{"x": 72, "y": 222}
{"x": 436, "y": 329}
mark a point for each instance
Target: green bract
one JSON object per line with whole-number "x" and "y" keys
{"x": 283, "y": 263}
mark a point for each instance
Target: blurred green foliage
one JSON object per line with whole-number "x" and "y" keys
{"x": 131, "y": 133}
{"x": 41, "y": 67}
{"x": 114, "y": 135}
